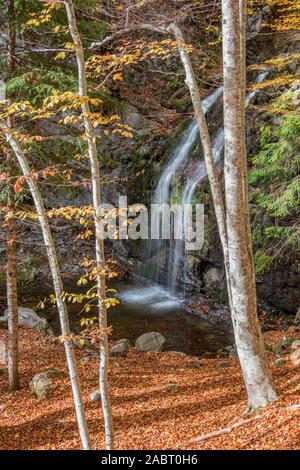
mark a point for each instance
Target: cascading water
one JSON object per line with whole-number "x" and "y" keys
{"x": 199, "y": 173}
{"x": 177, "y": 257}
{"x": 162, "y": 192}
{"x": 174, "y": 261}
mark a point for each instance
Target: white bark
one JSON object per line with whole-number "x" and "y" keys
{"x": 99, "y": 244}
{"x": 57, "y": 281}
{"x": 247, "y": 332}
{"x": 12, "y": 305}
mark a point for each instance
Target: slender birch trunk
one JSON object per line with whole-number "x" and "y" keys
{"x": 99, "y": 244}
{"x": 12, "y": 304}
{"x": 57, "y": 281}
{"x": 247, "y": 332}
{"x": 11, "y": 50}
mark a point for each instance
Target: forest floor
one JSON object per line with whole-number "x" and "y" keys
{"x": 160, "y": 401}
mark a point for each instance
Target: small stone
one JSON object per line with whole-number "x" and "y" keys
{"x": 295, "y": 357}
{"x": 95, "y": 396}
{"x": 295, "y": 344}
{"x": 3, "y": 406}
{"x": 179, "y": 353}
{"x": 120, "y": 349}
{"x": 224, "y": 364}
{"x": 171, "y": 387}
{"x": 280, "y": 362}
{"x": 41, "y": 385}
{"x": 197, "y": 363}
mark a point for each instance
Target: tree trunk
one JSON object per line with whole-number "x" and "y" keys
{"x": 57, "y": 282}
{"x": 99, "y": 244}
{"x": 12, "y": 305}
{"x": 247, "y": 332}
{"x": 11, "y": 36}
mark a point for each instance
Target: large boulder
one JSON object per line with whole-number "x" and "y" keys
{"x": 41, "y": 385}
{"x": 152, "y": 341}
{"x": 29, "y": 318}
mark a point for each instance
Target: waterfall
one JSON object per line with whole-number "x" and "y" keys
{"x": 177, "y": 258}
{"x": 171, "y": 259}
{"x": 182, "y": 151}
{"x": 162, "y": 192}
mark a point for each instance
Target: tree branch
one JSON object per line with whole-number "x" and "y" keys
{"x": 121, "y": 32}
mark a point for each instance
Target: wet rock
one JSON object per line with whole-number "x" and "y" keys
{"x": 120, "y": 349}
{"x": 3, "y": 353}
{"x": 41, "y": 385}
{"x": 29, "y": 318}
{"x": 152, "y": 341}
{"x": 280, "y": 362}
{"x": 95, "y": 396}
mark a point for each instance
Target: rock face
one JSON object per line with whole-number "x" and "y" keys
{"x": 3, "y": 353}
{"x": 41, "y": 385}
{"x": 213, "y": 278}
{"x": 28, "y": 317}
{"x": 232, "y": 351}
{"x": 152, "y": 341}
{"x": 120, "y": 349}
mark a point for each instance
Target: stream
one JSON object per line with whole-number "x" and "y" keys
{"x": 143, "y": 307}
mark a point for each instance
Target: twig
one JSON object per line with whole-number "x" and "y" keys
{"x": 242, "y": 422}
